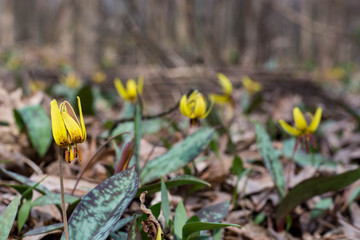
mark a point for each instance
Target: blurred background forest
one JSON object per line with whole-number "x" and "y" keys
{"x": 272, "y": 34}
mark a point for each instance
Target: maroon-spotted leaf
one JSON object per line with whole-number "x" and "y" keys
{"x": 98, "y": 212}
{"x": 7, "y": 218}
{"x": 134, "y": 231}
{"x": 44, "y": 229}
{"x": 178, "y": 156}
{"x": 214, "y": 213}
{"x": 313, "y": 187}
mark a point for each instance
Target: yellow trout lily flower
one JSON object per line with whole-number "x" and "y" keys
{"x": 194, "y": 106}
{"x": 130, "y": 93}
{"x": 227, "y": 89}
{"x": 302, "y": 130}
{"x": 71, "y": 81}
{"x": 67, "y": 130}
{"x": 98, "y": 77}
{"x": 250, "y": 86}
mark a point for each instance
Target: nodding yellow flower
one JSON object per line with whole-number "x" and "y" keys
{"x": 99, "y": 77}
{"x": 37, "y": 85}
{"x": 250, "y": 86}
{"x": 302, "y": 130}
{"x": 227, "y": 89}
{"x": 194, "y": 106}
{"x": 67, "y": 130}
{"x": 71, "y": 81}
{"x": 130, "y": 93}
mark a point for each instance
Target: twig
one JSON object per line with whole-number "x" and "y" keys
{"x": 93, "y": 157}
{"x": 63, "y": 197}
{"x": 145, "y": 117}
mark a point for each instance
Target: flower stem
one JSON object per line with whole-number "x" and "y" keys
{"x": 63, "y": 197}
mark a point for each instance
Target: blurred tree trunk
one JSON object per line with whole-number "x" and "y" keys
{"x": 306, "y": 36}
{"x": 87, "y": 23}
{"x": 7, "y": 28}
{"x": 62, "y": 33}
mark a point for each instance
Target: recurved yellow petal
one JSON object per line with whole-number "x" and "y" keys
{"x": 289, "y": 129}
{"x": 219, "y": 98}
{"x": 58, "y": 126}
{"x": 299, "y": 119}
{"x": 140, "y": 84}
{"x": 131, "y": 89}
{"x": 120, "y": 89}
{"x": 184, "y": 106}
{"x": 83, "y": 130}
{"x": 209, "y": 110}
{"x": 315, "y": 121}
{"x": 225, "y": 84}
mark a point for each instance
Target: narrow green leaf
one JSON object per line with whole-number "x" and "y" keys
{"x": 137, "y": 131}
{"x": 195, "y": 234}
{"x": 28, "y": 193}
{"x": 271, "y": 159}
{"x": 26, "y": 181}
{"x": 134, "y": 231}
{"x": 20, "y": 188}
{"x": 354, "y": 195}
{"x": 54, "y": 198}
{"x": 100, "y": 209}
{"x": 237, "y": 166}
{"x": 178, "y": 156}
{"x": 165, "y": 205}
{"x": 23, "y": 214}
{"x": 44, "y": 229}
{"x": 321, "y": 206}
{"x": 38, "y": 126}
{"x": 313, "y": 187}
{"x": 214, "y": 213}
{"x": 192, "y": 227}
{"x": 174, "y": 182}
{"x": 259, "y": 218}
{"x": 121, "y": 223}
{"x": 180, "y": 219}
{"x": 7, "y": 218}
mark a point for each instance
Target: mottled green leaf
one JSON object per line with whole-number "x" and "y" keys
{"x": 193, "y": 227}
{"x": 134, "y": 231}
{"x": 214, "y": 213}
{"x": 100, "y": 209}
{"x": 313, "y": 187}
{"x": 304, "y": 159}
{"x": 137, "y": 131}
{"x": 53, "y": 198}
{"x": 178, "y": 156}
{"x": 44, "y": 229}
{"x": 7, "y": 218}
{"x": 23, "y": 214}
{"x": 270, "y": 157}
{"x": 165, "y": 205}
{"x": 174, "y": 182}
{"x": 25, "y": 180}
{"x": 38, "y": 126}
{"x": 180, "y": 219}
